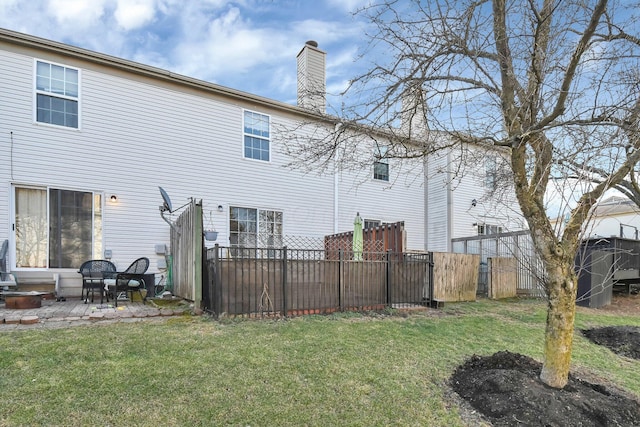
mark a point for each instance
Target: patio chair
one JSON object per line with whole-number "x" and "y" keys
{"x": 129, "y": 281}
{"x": 93, "y": 274}
{"x": 7, "y": 280}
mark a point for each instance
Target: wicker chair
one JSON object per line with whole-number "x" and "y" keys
{"x": 129, "y": 281}
{"x": 94, "y": 272}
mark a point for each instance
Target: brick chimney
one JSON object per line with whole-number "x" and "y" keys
{"x": 311, "y": 78}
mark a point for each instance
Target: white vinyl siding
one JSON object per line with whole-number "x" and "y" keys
{"x": 140, "y": 132}
{"x": 164, "y": 137}
{"x": 437, "y": 209}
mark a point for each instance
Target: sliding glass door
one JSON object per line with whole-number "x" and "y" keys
{"x": 56, "y": 228}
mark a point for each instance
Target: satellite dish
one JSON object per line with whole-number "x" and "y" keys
{"x": 167, "y": 201}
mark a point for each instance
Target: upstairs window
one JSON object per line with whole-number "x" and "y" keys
{"x": 256, "y": 136}
{"x": 381, "y": 164}
{"x": 490, "y": 173}
{"x": 57, "y": 94}
{"x": 485, "y": 229}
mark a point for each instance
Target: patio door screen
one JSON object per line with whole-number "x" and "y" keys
{"x": 56, "y": 228}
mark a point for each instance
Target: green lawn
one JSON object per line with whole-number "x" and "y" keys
{"x": 345, "y": 369}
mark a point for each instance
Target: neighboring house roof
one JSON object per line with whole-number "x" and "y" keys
{"x": 615, "y": 206}
{"x": 611, "y": 206}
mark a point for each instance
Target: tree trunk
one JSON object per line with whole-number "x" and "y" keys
{"x": 561, "y": 290}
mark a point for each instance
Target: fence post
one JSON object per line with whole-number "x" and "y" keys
{"x": 217, "y": 282}
{"x": 388, "y": 276}
{"x": 284, "y": 281}
{"x": 430, "y": 276}
{"x": 340, "y": 279}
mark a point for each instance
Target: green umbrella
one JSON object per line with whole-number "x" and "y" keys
{"x": 357, "y": 238}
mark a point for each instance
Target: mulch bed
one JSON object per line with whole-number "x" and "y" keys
{"x": 505, "y": 388}
{"x": 622, "y": 340}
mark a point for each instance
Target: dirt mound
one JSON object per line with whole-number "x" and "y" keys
{"x": 506, "y": 389}
{"x": 622, "y": 340}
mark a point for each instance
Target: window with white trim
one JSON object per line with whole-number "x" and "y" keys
{"x": 372, "y": 223}
{"x": 255, "y": 228}
{"x": 484, "y": 229}
{"x": 381, "y": 164}
{"x": 56, "y": 228}
{"x": 256, "y": 131}
{"x": 490, "y": 172}
{"x": 57, "y": 94}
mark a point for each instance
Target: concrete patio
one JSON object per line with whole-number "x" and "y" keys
{"x": 74, "y": 311}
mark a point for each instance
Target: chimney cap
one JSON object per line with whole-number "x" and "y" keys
{"x": 312, "y": 43}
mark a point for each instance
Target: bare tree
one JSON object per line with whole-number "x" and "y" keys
{"x": 554, "y": 83}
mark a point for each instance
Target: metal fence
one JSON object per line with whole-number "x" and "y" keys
{"x": 302, "y": 281}
{"x": 516, "y": 245}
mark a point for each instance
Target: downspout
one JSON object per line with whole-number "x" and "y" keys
{"x": 336, "y": 196}
{"x": 425, "y": 235}
{"x": 336, "y": 184}
{"x": 449, "y": 203}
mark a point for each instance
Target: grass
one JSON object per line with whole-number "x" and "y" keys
{"x": 318, "y": 370}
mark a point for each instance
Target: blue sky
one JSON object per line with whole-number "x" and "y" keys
{"x": 249, "y": 45}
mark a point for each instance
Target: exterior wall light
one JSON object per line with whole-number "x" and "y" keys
{"x": 113, "y": 198}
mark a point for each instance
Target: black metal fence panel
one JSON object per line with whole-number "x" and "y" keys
{"x": 282, "y": 281}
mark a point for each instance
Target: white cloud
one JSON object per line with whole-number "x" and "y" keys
{"x": 78, "y": 13}
{"x": 348, "y": 5}
{"x": 229, "y": 44}
{"x": 5, "y": 5}
{"x": 249, "y": 45}
{"x": 132, "y": 14}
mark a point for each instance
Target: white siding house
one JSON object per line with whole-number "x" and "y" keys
{"x": 477, "y": 199}
{"x": 615, "y": 216}
{"x": 86, "y": 139}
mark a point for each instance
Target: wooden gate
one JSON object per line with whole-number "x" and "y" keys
{"x": 186, "y": 251}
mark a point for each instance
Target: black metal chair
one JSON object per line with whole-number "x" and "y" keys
{"x": 129, "y": 281}
{"x": 7, "y": 280}
{"x": 94, "y": 272}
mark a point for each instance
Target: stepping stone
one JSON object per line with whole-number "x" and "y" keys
{"x": 29, "y": 320}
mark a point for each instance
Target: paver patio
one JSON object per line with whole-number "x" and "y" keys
{"x": 74, "y": 311}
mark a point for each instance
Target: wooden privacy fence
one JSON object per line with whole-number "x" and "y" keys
{"x": 455, "y": 277}
{"x": 186, "y": 251}
{"x": 517, "y": 245}
{"x": 375, "y": 240}
{"x": 503, "y": 277}
{"x": 294, "y": 281}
